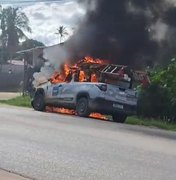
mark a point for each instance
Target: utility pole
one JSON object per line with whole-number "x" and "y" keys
{"x": 2, "y": 40}
{"x": 2, "y": 51}
{"x": 24, "y": 75}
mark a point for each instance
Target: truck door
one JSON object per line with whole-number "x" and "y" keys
{"x": 67, "y": 95}
{"x": 53, "y": 93}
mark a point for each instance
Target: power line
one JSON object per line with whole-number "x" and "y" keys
{"x": 31, "y": 1}
{"x": 24, "y": 0}
{"x": 23, "y": 3}
{"x": 28, "y": 1}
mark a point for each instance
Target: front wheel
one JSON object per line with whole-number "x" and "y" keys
{"x": 38, "y": 102}
{"x": 82, "y": 107}
{"x": 119, "y": 118}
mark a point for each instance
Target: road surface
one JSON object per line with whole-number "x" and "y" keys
{"x": 47, "y": 146}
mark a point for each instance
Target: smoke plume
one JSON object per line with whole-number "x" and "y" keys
{"x": 137, "y": 33}
{"x": 130, "y": 32}
{"x": 56, "y": 56}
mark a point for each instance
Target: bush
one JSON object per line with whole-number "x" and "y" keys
{"x": 158, "y": 100}
{"x": 152, "y": 101}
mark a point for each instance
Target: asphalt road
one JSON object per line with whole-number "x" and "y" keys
{"x": 47, "y": 146}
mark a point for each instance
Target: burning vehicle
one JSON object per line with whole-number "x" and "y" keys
{"x": 138, "y": 34}
{"x": 90, "y": 86}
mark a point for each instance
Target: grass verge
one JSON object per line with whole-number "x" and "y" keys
{"x": 23, "y": 101}
{"x": 152, "y": 123}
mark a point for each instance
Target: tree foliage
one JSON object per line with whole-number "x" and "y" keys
{"x": 13, "y": 24}
{"x": 62, "y": 32}
{"x": 158, "y": 100}
{"x": 30, "y": 43}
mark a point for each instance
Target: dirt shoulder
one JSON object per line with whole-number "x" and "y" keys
{"x": 5, "y": 175}
{"x": 8, "y": 95}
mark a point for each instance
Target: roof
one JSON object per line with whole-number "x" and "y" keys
{"x": 60, "y": 44}
{"x": 30, "y": 50}
{"x": 39, "y": 47}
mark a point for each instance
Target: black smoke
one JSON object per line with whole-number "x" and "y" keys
{"x": 124, "y": 31}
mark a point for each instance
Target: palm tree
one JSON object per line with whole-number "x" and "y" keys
{"x": 62, "y": 32}
{"x": 13, "y": 24}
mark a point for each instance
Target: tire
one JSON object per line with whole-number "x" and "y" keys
{"x": 119, "y": 118}
{"x": 38, "y": 102}
{"x": 82, "y": 107}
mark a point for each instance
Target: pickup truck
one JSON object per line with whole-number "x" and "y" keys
{"x": 117, "y": 100}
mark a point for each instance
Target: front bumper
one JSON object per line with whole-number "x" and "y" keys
{"x": 111, "y": 107}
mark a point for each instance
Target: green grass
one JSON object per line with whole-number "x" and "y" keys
{"x": 152, "y": 123}
{"x": 23, "y": 101}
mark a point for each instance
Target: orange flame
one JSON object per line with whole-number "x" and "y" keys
{"x": 98, "y": 116}
{"x": 65, "y": 72}
{"x": 82, "y": 76}
{"x": 56, "y": 78}
{"x": 72, "y": 112}
{"x": 93, "y": 78}
{"x": 60, "y": 110}
{"x": 66, "y": 69}
{"x": 88, "y": 59}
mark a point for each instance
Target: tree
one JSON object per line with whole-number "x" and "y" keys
{"x": 13, "y": 24}
{"x": 30, "y": 43}
{"x": 158, "y": 100}
{"x": 62, "y": 32}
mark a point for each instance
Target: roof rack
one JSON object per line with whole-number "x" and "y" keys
{"x": 116, "y": 71}
{"x": 112, "y": 68}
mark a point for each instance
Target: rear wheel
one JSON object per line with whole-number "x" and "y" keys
{"x": 38, "y": 103}
{"x": 82, "y": 107}
{"x": 119, "y": 118}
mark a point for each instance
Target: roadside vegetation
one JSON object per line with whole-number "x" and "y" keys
{"x": 158, "y": 100}
{"x": 22, "y": 101}
{"x": 154, "y": 123}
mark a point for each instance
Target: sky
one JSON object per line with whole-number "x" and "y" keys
{"x": 46, "y": 16}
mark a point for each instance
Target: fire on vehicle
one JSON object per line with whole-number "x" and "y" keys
{"x": 91, "y": 88}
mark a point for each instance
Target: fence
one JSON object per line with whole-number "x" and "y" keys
{"x": 11, "y": 77}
